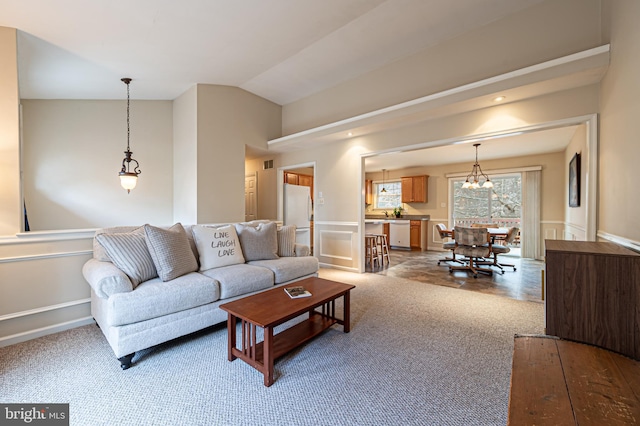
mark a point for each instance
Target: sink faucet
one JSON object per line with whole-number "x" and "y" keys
{"x": 386, "y": 213}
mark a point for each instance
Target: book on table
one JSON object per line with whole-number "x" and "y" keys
{"x": 297, "y": 292}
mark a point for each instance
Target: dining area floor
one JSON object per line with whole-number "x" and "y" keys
{"x": 525, "y": 283}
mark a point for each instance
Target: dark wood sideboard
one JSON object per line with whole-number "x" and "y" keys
{"x": 593, "y": 294}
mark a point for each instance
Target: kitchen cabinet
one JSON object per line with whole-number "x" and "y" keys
{"x": 291, "y": 178}
{"x": 415, "y": 234}
{"x": 592, "y": 294}
{"x": 414, "y": 189}
{"x": 368, "y": 194}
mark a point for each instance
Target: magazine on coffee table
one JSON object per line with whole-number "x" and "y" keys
{"x": 297, "y": 292}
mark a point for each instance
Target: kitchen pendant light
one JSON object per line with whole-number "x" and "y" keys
{"x": 472, "y": 178}
{"x": 128, "y": 177}
{"x": 383, "y": 188}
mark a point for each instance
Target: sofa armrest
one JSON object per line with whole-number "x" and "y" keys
{"x": 301, "y": 250}
{"x": 106, "y": 278}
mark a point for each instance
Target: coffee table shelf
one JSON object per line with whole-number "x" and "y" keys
{"x": 272, "y": 308}
{"x": 295, "y": 336}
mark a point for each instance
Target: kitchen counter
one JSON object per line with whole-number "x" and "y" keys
{"x": 383, "y": 219}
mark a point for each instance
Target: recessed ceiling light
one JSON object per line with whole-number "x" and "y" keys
{"x": 499, "y": 99}
{"x": 349, "y": 134}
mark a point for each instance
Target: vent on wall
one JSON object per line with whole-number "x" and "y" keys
{"x": 268, "y": 164}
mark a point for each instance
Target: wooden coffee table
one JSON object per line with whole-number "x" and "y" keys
{"x": 274, "y": 307}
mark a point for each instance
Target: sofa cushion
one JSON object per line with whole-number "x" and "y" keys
{"x": 289, "y": 268}
{"x": 99, "y": 251}
{"x": 217, "y": 246}
{"x": 170, "y": 251}
{"x": 155, "y": 298}
{"x": 129, "y": 252}
{"x": 240, "y": 279}
{"x": 287, "y": 240}
{"x": 259, "y": 242}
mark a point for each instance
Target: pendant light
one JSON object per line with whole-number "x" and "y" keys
{"x": 472, "y": 178}
{"x": 128, "y": 178}
{"x": 383, "y": 188}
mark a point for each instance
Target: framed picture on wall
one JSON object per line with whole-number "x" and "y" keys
{"x": 574, "y": 181}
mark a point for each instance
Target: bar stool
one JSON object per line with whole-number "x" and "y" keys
{"x": 382, "y": 247}
{"x": 371, "y": 249}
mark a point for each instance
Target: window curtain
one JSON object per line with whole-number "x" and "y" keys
{"x": 530, "y": 240}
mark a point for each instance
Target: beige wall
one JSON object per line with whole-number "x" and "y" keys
{"x": 228, "y": 119}
{"x": 10, "y": 204}
{"x": 549, "y": 30}
{"x": 185, "y": 154}
{"x": 73, "y": 151}
{"x": 619, "y": 203}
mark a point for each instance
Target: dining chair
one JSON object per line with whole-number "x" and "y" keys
{"x": 475, "y": 244}
{"x": 447, "y": 245}
{"x": 497, "y": 249}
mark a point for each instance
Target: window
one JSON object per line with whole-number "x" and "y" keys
{"x": 501, "y": 204}
{"x": 389, "y": 199}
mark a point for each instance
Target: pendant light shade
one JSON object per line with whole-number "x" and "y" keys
{"x": 472, "y": 181}
{"x": 129, "y": 173}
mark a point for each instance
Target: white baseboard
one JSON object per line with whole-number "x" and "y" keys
{"x": 342, "y": 268}
{"x": 44, "y": 331}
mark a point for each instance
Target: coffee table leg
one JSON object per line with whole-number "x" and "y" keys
{"x": 268, "y": 356}
{"x": 231, "y": 335}
{"x": 346, "y": 315}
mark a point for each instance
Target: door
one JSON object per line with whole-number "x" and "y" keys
{"x": 250, "y": 198}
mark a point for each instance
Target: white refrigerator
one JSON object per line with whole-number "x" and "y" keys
{"x": 298, "y": 211}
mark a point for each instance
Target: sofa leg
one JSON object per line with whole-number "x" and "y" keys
{"x": 125, "y": 361}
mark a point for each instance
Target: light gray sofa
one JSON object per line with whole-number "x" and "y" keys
{"x": 150, "y": 285}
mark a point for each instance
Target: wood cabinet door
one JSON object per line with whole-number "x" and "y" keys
{"x": 414, "y": 235}
{"x": 290, "y": 178}
{"x": 368, "y": 195}
{"x": 420, "y": 189}
{"x": 407, "y": 190}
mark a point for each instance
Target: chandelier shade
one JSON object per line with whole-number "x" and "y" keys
{"x": 128, "y": 173}
{"x": 473, "y": 178}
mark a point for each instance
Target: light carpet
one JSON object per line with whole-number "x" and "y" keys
{"x": 417, "y": 354}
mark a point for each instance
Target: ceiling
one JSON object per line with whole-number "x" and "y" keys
{"x": 282, "y": 50}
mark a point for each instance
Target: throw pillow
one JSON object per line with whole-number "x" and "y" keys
{"x": 287, "y": 241}
{"x": 99, "y": 252}
{"x": 259, "y": 242}
{"x": 217, "y": 246}
{"x": 170, "y": 251}
{"x": 128, "y": 251}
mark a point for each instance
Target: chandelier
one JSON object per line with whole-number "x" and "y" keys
{"x": 473, "y": 177}
{"x": 128, "y": 178}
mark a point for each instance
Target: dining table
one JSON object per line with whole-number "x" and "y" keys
{"x": 495, "y": 233}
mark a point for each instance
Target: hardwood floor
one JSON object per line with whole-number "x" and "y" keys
{"x": 523, "y": 284}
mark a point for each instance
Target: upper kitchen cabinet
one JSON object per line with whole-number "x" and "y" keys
{"x": 368, "y": 195}
{"x": 414, "y": 189}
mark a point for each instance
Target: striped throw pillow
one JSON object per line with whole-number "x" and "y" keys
{"x": 287, "y": 241}
{"x": 170, "y": 251}
{"x": 128, "y": 251}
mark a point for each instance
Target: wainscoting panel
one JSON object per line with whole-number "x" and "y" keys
{"x": 41, "y": 283}
{"x": 337, "y": 244}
